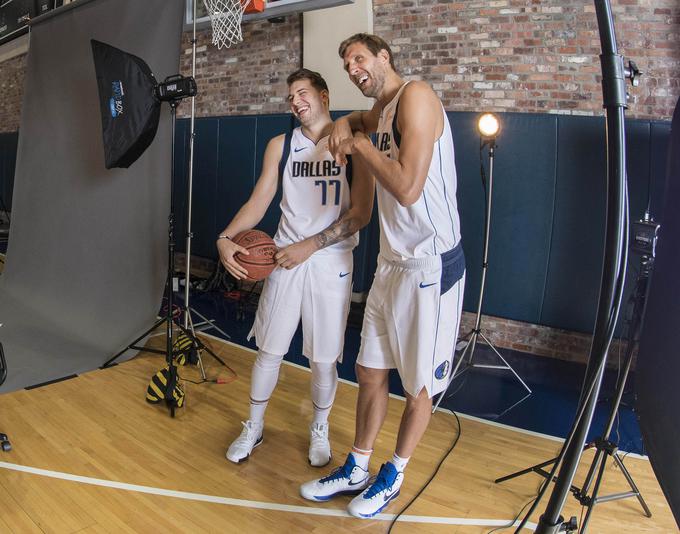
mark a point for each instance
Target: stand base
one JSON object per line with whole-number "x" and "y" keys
{"x": 4, "y": 443}
{"x": 200, "y": 346}
{"x": 465, "y": 363}
{"x": 605, "y": 448}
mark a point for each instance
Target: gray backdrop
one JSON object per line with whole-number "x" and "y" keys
{"x": 87, "y": 255}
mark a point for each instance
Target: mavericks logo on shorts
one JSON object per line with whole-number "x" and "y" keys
{"x": 441, "y": 371}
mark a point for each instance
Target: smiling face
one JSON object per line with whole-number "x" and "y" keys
{"x": 306, "y": 102}
{"x": 367, "y": 71}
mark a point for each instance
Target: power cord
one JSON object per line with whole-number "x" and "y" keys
{"x": 512, "y": 523}
{"x": 434, "y": 474}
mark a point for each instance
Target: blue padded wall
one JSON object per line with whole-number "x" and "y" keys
{"x": 522, "y": 211}
{"x": 548, "y": 203}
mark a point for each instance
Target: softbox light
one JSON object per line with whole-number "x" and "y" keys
{"x": 658, "y": 362}
{"x": 129, "y": 108}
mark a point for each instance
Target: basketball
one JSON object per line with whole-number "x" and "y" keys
{"x": 260, "y": 262}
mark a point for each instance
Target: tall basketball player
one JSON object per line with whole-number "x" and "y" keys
{"x": 320, "y": 217}
{"x": 413, "y": 310}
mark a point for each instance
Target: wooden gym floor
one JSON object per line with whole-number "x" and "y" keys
{"x": 91, "y": 456}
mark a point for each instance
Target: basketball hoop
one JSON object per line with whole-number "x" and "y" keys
{"x": 226, "y": 17}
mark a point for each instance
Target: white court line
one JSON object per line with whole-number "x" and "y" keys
{"x": 444, "y": 410}
{"x": 250, "y": 504}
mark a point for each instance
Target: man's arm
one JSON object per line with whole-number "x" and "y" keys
{"x": 253, "y": 210}
{"x": 420, "y": 122}
{"x": 350, "y": 222}
{"x": 344, "y": 127}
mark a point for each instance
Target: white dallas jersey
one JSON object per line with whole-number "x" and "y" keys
{"x": 431, "y": 225}
{"x": 315, "y": 193}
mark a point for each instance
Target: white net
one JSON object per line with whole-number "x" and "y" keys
{"x": 225, "y": 18}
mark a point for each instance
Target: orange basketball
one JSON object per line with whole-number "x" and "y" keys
{"x": 260, "y": 262}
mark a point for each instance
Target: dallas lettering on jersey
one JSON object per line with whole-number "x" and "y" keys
{"x": 382, "y": 142}
{"x": 315, "y": 169}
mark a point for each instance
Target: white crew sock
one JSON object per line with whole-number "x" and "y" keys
{"x": 361, "y": 457}
{"x": 399, "y": 462}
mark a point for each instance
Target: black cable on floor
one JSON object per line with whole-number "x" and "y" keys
{"x": 434, "y": 474}
{"x": 514, "y": 519}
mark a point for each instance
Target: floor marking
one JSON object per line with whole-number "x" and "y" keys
{"x": 444, "y": 410}
{"x": 247, "y": 503}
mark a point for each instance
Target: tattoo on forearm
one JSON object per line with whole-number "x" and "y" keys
{"x": 338, "y": 231}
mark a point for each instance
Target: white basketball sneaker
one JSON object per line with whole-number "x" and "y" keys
{"x": 251, "y": 437}
{"x": 383, "y": 489}
{"x": 319, "y": 446}
{"x": 348, "y": 479}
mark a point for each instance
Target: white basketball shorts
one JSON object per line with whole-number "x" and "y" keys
{"x": 412, "y": 319}
{"x": 317, "y": 291}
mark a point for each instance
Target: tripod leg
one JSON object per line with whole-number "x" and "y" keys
{"x": 201, "y": 346}
{"x": 592, "y": 501}
{"x": 211, "y": 322}
{"x": 113, "y": 358}
{"x": 190, "y": 325}
{"x": 455, "y": 371}
{"x": 632, "y": 485}
{"x": 505, "y": 362}
{"x": 533, "y": 468}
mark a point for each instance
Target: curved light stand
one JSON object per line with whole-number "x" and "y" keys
{"x": 614, "y": 75}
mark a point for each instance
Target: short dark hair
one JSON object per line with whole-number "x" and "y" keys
{"x": 314, "y": 78}
{"x": 374, "y": 43}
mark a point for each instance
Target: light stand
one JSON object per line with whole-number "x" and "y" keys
{"x": 614, "y": 74}
{"x": 603, "y": 445}
{"x": 489, "y": 127}
{"x": 4, "y": 441}
{"x": 188, "y": 322}
{"x": 172, "y": 90}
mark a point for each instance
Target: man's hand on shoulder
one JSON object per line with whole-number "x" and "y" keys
{"x": 340, "y": 133}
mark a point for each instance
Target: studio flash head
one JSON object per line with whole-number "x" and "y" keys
{"x": 175, "y": 88}
{"x": 645, "y": 234}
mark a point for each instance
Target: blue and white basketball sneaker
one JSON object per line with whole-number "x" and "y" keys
{"x": 348, "y": 479}
{"x": 383, "y": 489}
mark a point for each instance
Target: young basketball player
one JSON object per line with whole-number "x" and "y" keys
{"x": 320, "y": 217}
{"x": 413, "y": 309}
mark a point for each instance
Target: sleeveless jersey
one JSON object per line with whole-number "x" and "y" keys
{"x": 431, "y": 225}
{"x": 315, "y": 193}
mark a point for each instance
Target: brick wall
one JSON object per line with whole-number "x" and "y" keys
{"x": 248, "y": 78}
{"x": 533, "y": 55}
{"x": 12, "y": 74}
{"x": 504, "y": 55}
{"x": 538, "y": 339}
{"x": 519, "y": 55}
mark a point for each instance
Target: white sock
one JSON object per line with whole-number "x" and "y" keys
{"x": 361, "y": 457}
{"x": 324, "y": 386}
{"x": 399, "y": 462}
{"x": 264, "y": 378}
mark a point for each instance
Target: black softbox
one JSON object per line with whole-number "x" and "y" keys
{"x": 658, "y": 362}
{"x": 130, "y": 110}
